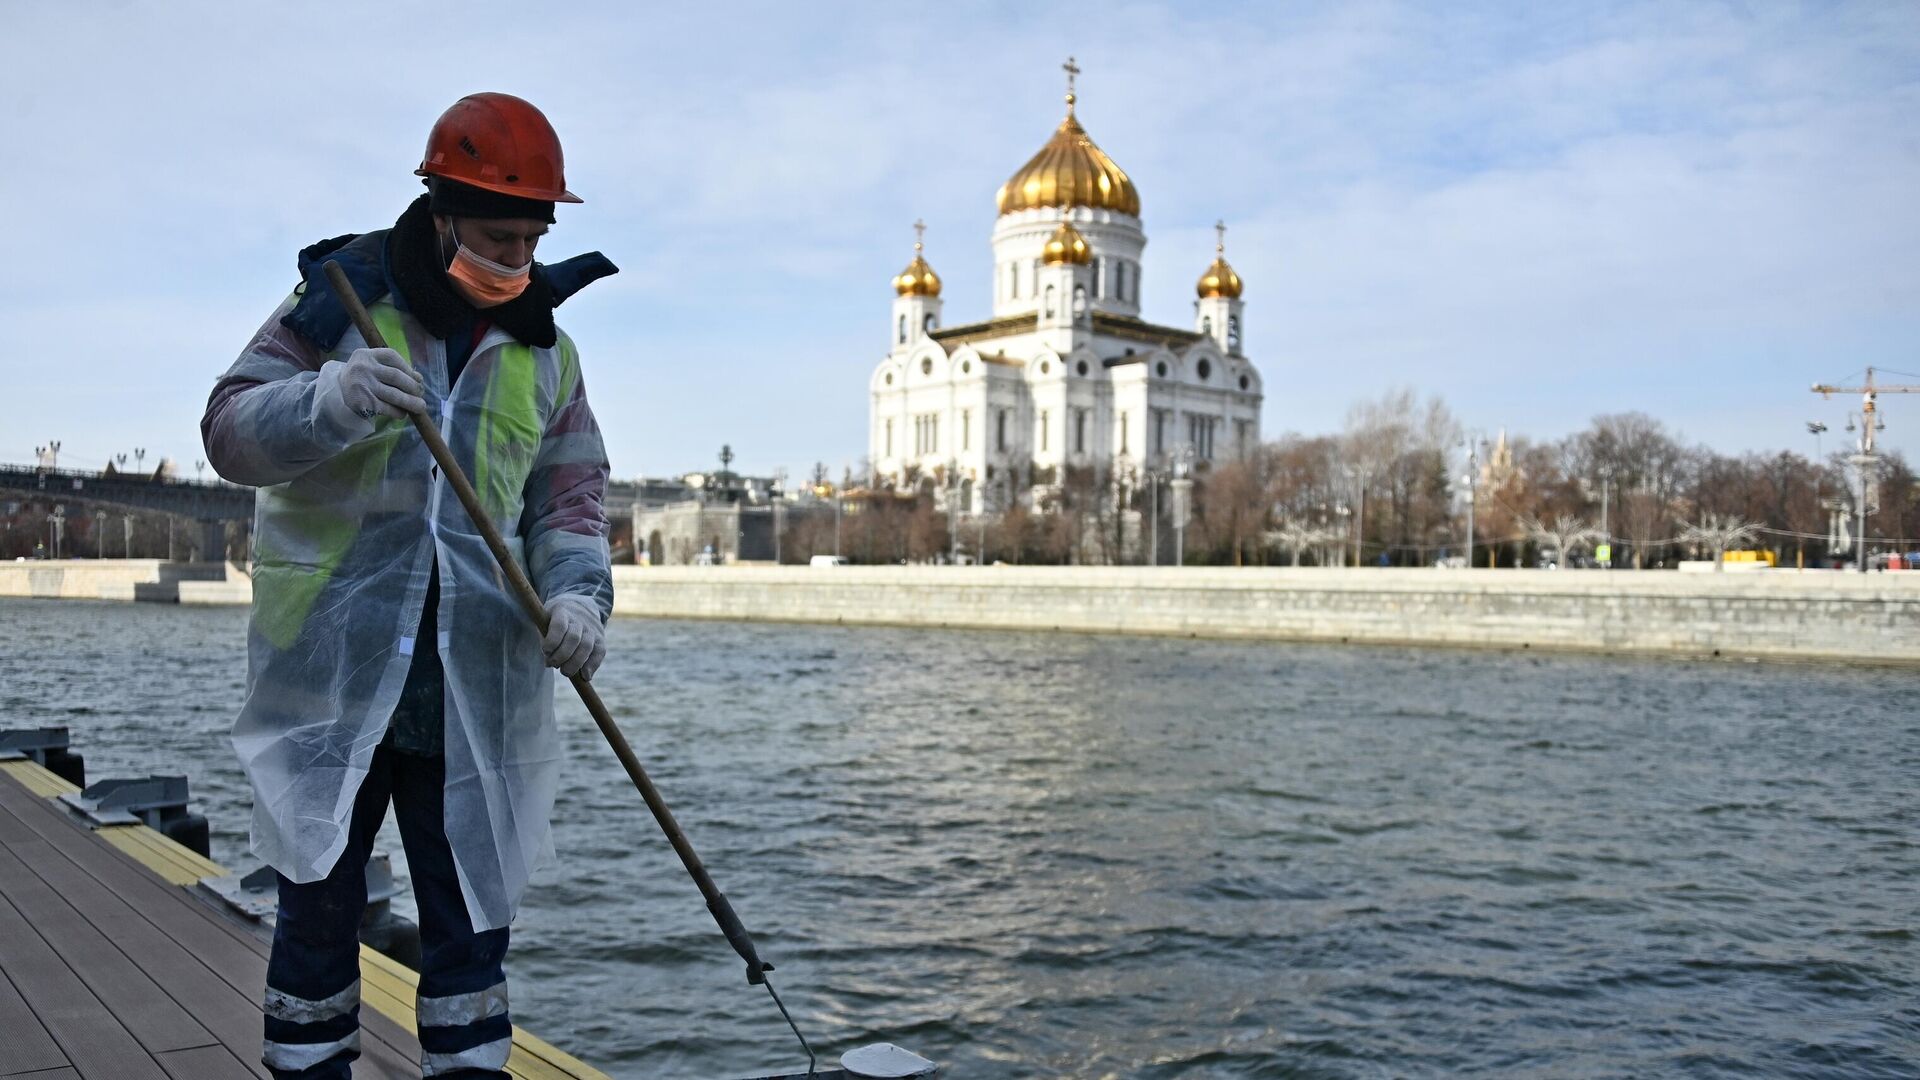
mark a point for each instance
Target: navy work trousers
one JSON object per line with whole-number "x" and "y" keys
{"x": 313, "y": 975}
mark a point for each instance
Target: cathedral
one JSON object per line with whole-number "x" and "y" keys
{"x": 1065, "y": 377}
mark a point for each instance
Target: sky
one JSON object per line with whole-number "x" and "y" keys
{"x": 1538, "y": 212}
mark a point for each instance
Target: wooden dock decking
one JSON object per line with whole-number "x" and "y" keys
{"x": 115, "y": 966}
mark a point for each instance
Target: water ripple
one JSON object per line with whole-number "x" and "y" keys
{"x": 1034, "y": 856}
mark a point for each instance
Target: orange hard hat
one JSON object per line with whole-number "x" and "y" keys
{"x": 500, "y": 143}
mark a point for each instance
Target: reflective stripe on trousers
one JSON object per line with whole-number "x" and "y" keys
{"x": 312, "y": 1002}
{"x": 464, "y": 1031}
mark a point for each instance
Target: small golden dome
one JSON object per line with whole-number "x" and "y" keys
{"x": 1070, "y": 171}
{"x": 918, "y": 279}
{"x": 1220, "y": 279}
{"x": 1066, "y": 245}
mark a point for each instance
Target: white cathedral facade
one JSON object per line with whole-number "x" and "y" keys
{"x": 1065, "y": 375}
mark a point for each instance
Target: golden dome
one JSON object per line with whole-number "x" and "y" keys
{"x": 1220, "y": 279}
{"x": 1066, "y": 245}
{"x": 1070, "y": 171}
{"x": 918, "y": 279}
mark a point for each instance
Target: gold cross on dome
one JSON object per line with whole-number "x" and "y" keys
{"x": 1071, "y": 69}
{"x": 919, "y": 233}
{"x": 1220, "y": 237}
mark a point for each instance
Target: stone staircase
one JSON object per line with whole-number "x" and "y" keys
{"x": 197, "y": 583}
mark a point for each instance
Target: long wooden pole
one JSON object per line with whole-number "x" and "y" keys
{"x": 536, "y": 610}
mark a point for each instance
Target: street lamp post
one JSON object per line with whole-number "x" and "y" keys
{"x": 779, "y": 497}
{"x": 1469, "y": 479}
{"x": 1606, "y": 492}
{"x": 1472, "y": 478}
{"x": 1815, "y": 428}
{"x": 1863, "y": 463}
{"x": 1153, "y": 481}
{"x": 99, "y": 527}
{"x": 59, "y": 524}
{"x": 1181, "y": 488}
{"x": 980, "y": 528}
{"x": 1359, "y": 478}
{"x": 953, "y": 512}
{"x": 126, "y": 539}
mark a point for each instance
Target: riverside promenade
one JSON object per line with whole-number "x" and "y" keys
{"x": 1822, "y": 615}
{"x": 1784, "y": 614}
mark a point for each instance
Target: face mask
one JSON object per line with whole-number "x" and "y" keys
{"x": 484, "y": 282}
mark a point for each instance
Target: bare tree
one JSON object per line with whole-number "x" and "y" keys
{"x": 1720, "y": 532}
{"x": 1295, "y": 537}
{"x": 1562, "y": 533}
{"x": 1234, "y": 501}
{"x": 1397, "y": 445}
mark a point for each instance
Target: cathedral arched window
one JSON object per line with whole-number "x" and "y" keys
{"x": 1120, "y": 280}
{"x": 928, "y": 323}
{"x": 1206, "y": 325}
{"x": 1080, "y": 303}
{"x": 1013, "y": 280}
{"x": 903, "y": 329}
{"x": 1049, "y": 304}
{"x": 1233, "y": 333}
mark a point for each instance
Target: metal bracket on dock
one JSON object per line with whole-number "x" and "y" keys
{"x": 16, "y": 743}
{"x": 47, "y": 747}
{"x": 131, "y": 800}
{"x": 158, "y": 802}
{"x": 256, "y": 896}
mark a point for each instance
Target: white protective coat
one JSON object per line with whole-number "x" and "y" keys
{"x": 350, "y": 517}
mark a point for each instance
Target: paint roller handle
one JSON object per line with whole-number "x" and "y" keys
{"x": 738, "y": 937}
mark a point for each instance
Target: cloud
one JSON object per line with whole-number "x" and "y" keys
{"x": 1539, "y": 213}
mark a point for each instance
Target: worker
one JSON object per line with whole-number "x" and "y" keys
{"x": 387, "y": 660}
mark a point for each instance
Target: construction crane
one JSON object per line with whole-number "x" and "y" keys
{"x": 1870, "y": 422}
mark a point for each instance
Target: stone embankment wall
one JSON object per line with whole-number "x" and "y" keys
{"x": 154, "y": 580}
{"x": 78, "y": 579}
{"x": 1813, "y": 614}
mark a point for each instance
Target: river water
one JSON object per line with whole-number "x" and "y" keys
{"x": 1032, "y": 855}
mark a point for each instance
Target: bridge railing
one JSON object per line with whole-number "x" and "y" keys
{"x": 216, "y": 484}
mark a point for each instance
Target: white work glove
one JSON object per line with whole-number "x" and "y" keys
{"x": 576, "y": 640}
{"x": 370, "y": 383}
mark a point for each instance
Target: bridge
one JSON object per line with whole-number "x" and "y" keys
{"x": 211, "y": 503}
